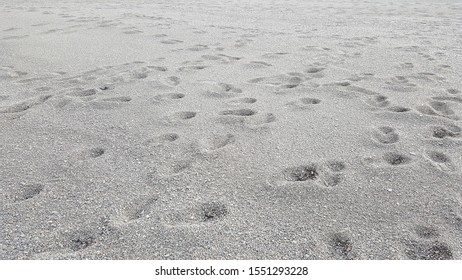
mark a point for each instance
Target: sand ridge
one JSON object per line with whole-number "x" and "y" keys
{"x": 230, "y": 129}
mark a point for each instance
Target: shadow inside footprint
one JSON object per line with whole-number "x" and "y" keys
{"x": 453, "y": 91}
{"x": 342, "y": 246}
{"x": 167, "y": 96}
{"x": 442, "y": 132}
{"x": 117, "y": 99}
{"x": 300, "y": 173}
{"x": 244, "y": 100}
{"x": 438, "y": 157}
{"x": 168, "y": 137}
{"x": 80, "y": 240}
{"x": 426, "y": 232}
{"x": 239, "y": 112}
{"x": 211, "y": 211}
{"x": 175, "y": 95}
{"x": 398, "y": 109}
{"x": 429, "y": 251}
{"x": 393, "y": 158}
{"x": 27, "y": 192}
{"x": 313, "y": 70}
{"x": 96, "y": 152}
{"x": 309, "y": 101}
{"x": 184, "y": 115}
{"x": 379, "y": 101}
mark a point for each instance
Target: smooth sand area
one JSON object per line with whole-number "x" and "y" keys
{"x": 240, "y": 129}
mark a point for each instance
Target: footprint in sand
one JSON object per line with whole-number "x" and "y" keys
{"x": 198, "y": 48}
{"x": 398, "y": 109}
{"x": 192, "y": 68}
{"x": 217, "y": 141}
{"x": 238, "y": 112}
{"x": 426, "y": 232}
{"x": 285, "y": 81}
{"x": 440, "y": 160}
{"x": 338, "y": 84}
{"x": 441, "y": 107}
{"x": 456, "y": 99}
{"x": 202, "y": 213}
{"x": 275, "y": 55}
{"x": 43, "y": 89}
{"x": 82, "y": 92}
{"x": 453, "y": 91}
{"x": 8, "y": 72}
{"x": 184, "y": 115}
{"x": 96, "y": 152}
{"x": 171, "y": 42}
{"x": 396, "y": 159}
{"x": 89, "y": 154}
{"x": 211, "y": 57}
{"x": 378, "y": 101}
{"x": 109, "y": 103}
{"x": 180, "y": 166}
{"x": 453, "y": 215}
{"x": 243, "y": 100}
{"x": 171, "y": 96}
{"x": 341, "y": 246}
{"x": 162, "y": 139}
{"x": 80, "y": 240}
{"x": 138, "y": 208}
{"x": 26, "y": 192}
{"x": 84, "y": 238}
{"x": 139, "y": 75}
{"x": 257, "y": 65}
{"x": 24, "y": 105}
{"x": 171, "y": 168}
{"x": 332, "y": 175}
{"x": 329, "y": 174}
{"x": 173, "y": 80}
{"x": 385, "y": 135}
{"x": 446, "y": 131}
{"x": 400, "y": 84}
{"x": 116, "y": 99}
{"x": 221, "y": 90}
{"x": 158, "y": 68}
{"x": 133, "y": 31}
{"x": 314, "y": 70}
{"x": 248, "y": 117}
{"x": 428, "y": 250}
{"x": 304, "y": 103}
{"x": 437, "y": 109}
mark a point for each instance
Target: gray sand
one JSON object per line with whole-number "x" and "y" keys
{"x": 235, "y": 129}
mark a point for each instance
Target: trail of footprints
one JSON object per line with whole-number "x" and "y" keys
{"x": 386, "y": 135}
{"x": 329, "y": 174}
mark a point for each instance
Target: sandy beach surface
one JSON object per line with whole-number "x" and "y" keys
{"x": 241, "y": 129}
